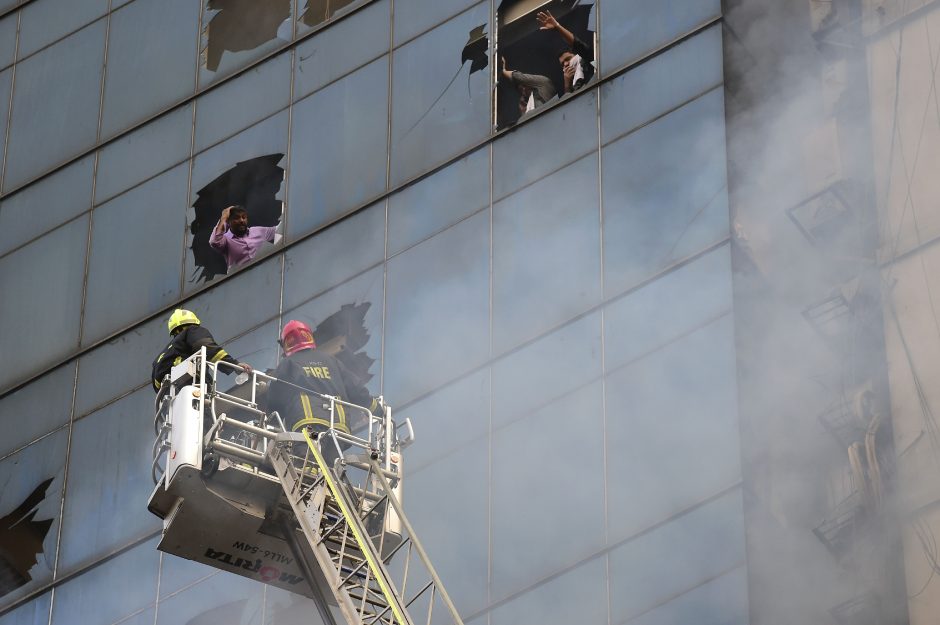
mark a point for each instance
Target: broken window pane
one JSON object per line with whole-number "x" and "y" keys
{"x": 669, "y": 173}
{"x": 437, "y": 319}
{"x": 236, "y": 32}
{"x": 139, "y": 85}
{"x": 30, "y": 494}
{"x": 110, "y": 591}
{"x": 315, "y": 12}
{"x": 248, "y": 171}
{"x": 36, "y": 409}
{"x": 44, "y": 21}
{"x": 338, "y": 142}
{"x": 539, "y": 280}
{"x": 546, "y": 51}
{"x": 136, "y": 254}
{"x": 47, "y": 277}
{"x": 440, "y": 96}
{"x": 109, "y": 462}
{"x": 662, "y": 83}
{"x": 438, "y": 201}
{"x": 260, "y": 92}
{"x": 626, "y": 37}
{"x": 328, "y": 56}
{"x": 347, "y": 322}
{"x": 55, "y": 105}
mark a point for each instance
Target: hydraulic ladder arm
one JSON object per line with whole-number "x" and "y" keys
{"x": 274, "y": 494}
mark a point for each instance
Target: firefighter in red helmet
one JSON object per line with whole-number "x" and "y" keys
{"x": 306, "y": 367}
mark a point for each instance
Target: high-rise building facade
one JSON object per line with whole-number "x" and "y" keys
{"x": 546, "y": 293}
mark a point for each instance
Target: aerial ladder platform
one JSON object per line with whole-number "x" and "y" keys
{"x": 239, "y": 492}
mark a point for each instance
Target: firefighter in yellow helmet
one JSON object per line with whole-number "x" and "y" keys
{"x": 188, "y": 335}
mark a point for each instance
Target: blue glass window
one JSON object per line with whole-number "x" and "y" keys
{"x": 434, "y": 115}
{"x": 338, "y": 143}
{"x": 632, "y": 28}
{"x": 531, "y": 526}
{"x": 665, "y": 192}
{"x": 111, "y": 591}
{"x": 437, "y": 315}
{"x": 546, "y": 260}
{"x": 135, "y": 269}
{"x": 151, "y": 60}
{"x": 144, "y": 153}
{"x": 677, "y": 556}
{"x": 109, "y": 481}
{"x": 55, "y": 104}
{"x": 32, "y": 479}
{"x": 47, "y": 276}
{"x": 440, "y": 200}
{"x": 327, "y": 56}
{"x": 660, "y": 84}
{"x": 335, "y": 254}
{"x": 36, "y": 409}
{"x": 674, "y": 442}
{"x": 44, "y": 205}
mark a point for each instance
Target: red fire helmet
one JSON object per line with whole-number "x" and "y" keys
{"x": 296, "y": 336}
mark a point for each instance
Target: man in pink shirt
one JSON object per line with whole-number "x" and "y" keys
{"x": 235, "y": 240}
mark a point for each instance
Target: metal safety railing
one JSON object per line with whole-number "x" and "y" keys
{"x": 346, "y": 504}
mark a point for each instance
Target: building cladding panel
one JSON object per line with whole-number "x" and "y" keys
{"x": 550, "y": 304}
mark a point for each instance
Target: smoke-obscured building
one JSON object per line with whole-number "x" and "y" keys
{"x": 559, "y": 294}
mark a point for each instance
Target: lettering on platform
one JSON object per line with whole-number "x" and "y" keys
{"x": 265, "y": 572}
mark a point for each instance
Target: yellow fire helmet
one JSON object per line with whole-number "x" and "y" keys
{"x": 181, "y": 317}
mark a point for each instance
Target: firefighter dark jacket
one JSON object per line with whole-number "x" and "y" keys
{"x": 183, "y": 345}
{"x": 319, "y": 372}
